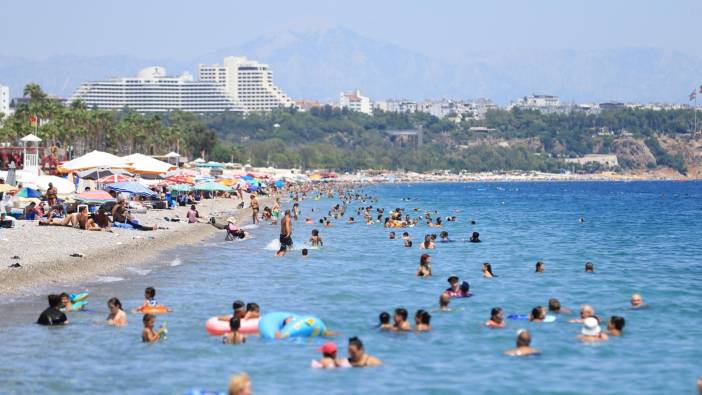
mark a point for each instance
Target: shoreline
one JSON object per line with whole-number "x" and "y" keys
{"x": 45, "y": 251}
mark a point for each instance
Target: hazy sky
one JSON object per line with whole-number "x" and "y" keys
{"x": 180, "y": 29}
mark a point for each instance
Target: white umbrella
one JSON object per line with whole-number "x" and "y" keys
{"x": 63, "y": 186}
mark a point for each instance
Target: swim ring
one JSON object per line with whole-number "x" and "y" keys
{"x": 524, "y": 317}
{"x": 215, "y": 327}
{"x": 153, "y": 309}
{"x": 300, "y": 326}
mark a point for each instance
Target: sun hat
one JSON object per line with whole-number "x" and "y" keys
{"x": 451, "y": 277}
{"x": 591, "y": 327}
{"x": 328, "y": 348}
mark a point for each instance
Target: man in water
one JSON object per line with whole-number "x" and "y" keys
{"x": 615, "y": 325}
{"x": 637, "y": 301}
{"x": 53, "y": 315}
{"x": 444, "y": 300}
{"x": 523, "y": 348}
{"x": 358, "y": 357}
{"x": 554, "y": 306}
{"x": 401, "y": 324}
{"x": 586, "y": 311}
{"x": 589, "y": 267}
{"x": 254, "y": 208}
{"x": 286, "y": 230}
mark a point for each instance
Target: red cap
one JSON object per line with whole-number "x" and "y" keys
{"x": 327, "y": 348}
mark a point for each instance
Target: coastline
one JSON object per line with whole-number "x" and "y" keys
{"x": 45, "y": 251}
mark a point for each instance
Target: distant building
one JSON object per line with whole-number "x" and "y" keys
{"x": 543, "y": 103}
{"x": 608, "y": 161}
{"x": 307, "y": 104}
{"x": 4, "y": 101}
{"x": 354, "y": 101}
{"x": 413, "y": 138}
{"x": 246, "y": 82}
{"x": 152, "y": 91}
{"x": 456, "y": 110}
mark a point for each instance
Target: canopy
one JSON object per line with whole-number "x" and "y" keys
{"x": 62, "y": 185}
{"x": 95, "y": 197}
{"x": 114, "y": 178}
{"x": 29, "y": 193}
{"x": 30, "y": 138}
{"x": 212, "y": 186}
{"x": 132, "y": 188}
{"x": 93, "y": 160}
{"x": 94, "y": 174}
{"x": 181, "y": 188}
{"x": 143, "y": 164}
{"x": 209, "y": 164}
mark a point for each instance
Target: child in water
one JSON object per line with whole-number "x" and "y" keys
{"x": 149, "y": 299}
{"x": 66, "y": 305}
{"x": 315, "y": 239}
{"x": 149, "y": 335}
{"x": 385, "y": 324}
{"x": 234, "y": 337}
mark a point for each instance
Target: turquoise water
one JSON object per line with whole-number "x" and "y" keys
{"x": 642, "y": 237}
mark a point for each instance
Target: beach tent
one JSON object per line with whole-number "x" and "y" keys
{"x": 131, "y": 188}
{"x": 94, "y": 174}
{"x": 62, "y": 185}
{"x": 97, "y": 197}
{"x": 28, "y": 193}
{"x": 143, "y": 164}
{"x": 114, "y": 178}
{"x": 212, "y": 186}
{"x": 92, "y": 160}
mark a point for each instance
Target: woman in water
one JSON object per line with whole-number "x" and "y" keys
{"x": 424, "y": 266}
{"x": 539, "y": 267}
{"x": 234, "y": 337}
{"x": 487, "y": 270}
{"x": 117, "y": 315}
{"x": 497, "y": 318}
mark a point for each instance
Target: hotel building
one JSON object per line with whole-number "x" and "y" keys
{"x": 354, "y": 101}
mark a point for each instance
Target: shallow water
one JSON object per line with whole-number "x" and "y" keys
{"x": 642, "y": 237}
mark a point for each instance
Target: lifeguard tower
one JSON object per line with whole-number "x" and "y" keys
{"x": 31, "y": 159}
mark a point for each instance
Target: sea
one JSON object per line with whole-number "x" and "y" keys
{"x": 642, "y": 237}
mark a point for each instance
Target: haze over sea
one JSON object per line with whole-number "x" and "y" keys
{"x": 642, "y": 237}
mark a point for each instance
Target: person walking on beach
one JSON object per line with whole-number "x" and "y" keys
{"x": 286, "y": 230}
{"x": 51, "y": 194}
{"x": 254, "y": 209}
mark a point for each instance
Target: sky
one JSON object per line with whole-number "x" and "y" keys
{"x": 178, "y": 29}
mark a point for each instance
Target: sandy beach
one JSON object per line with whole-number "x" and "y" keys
{"x": 45, "y": 251}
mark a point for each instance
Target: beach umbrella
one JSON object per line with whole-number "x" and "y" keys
{"x": 132, "y": 188}
{"x": 97, "y": 197}
{"x": 94, "y": 174}
{"x": 212, "y": 186}
{"x": 180, "y": 180}
{"x": 29, "y": 193}
{"x": 7, "y": 188}
{"x": 92, "y": 160}
{"x": 279, "y": 184}
{"x": 143, "y": 164}
{"x": 114, "y": 178}
{"x": 180, "y": 188}
{"x": 63, "y": 186}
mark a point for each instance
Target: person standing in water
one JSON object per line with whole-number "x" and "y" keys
{"x": 523, "y": 348}
{"x": 286, "y": 230}
{"x": 254, "y": 209}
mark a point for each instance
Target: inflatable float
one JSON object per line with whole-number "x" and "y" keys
{"x": 215, "y": 327}
{"x": 524, "y": 317}
{"x": 79, "y": 297}
{"x": 153, "y": 309}
{"x": 273, "y": 326}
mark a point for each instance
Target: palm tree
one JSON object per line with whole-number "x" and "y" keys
{"x": 34, "y": 91}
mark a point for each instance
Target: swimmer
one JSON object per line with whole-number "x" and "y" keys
{"x": 586, "y": 311}
{"x": 422, "y": 321}
{"x": 240, "y": 385}
{"x": 315, "y": 239}
{"x": 444, "y": 300}
{"x": 615, "y": 325}
{"x": 401, "y": 324}
{"x": 405, "y": 236}
{"x": 358, "y": 357}
{"x": 234, "y": 337}
{"x": 427, "y": 243}
{"x": 475, "y": 237}
{"x": 328, "y": 360}
{"x": 538, "y": 314}
{"x": 351, "y": 221}
{"x": 589, "y": 267}
{"x": 424, "y": 266}
{"x": 444, "y": 237}
{"x": 149, "y": 299}
{"x": 66, "y": 305}
{"x": 305, "y": 252}
{"x": 117, "y": 316}
{"x": 239, "y": 309}
{"x": 637, "y": 301}
{"x": 523, "y": 348}
{"x": 309, "y": 221}
{"x": 487, "y": 270}
{"x": 457, "y": 289}
{"x": 497, "y": 318}
{"x": 391, "y": 236}
{"x": 539, "y": 267}
{"x": 149, "y": 335}
{"x": 53, "y": 315}
{"x": 554, "y": 306}
{"x": 591, "y": 331}
{"x": 253, "y": 311}
{"x": 385, "y": 324}
{"x": 408, "y": 243}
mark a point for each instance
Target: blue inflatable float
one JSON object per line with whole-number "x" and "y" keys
{"x": 298, "y": 326}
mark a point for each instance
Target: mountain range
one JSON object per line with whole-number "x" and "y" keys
{"x": 318, "y": 64}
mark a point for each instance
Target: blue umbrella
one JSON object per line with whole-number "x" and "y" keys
{"x": 279, "y": 184}
{"x": 131, "y": 188}
{"x": 29, "y": 193}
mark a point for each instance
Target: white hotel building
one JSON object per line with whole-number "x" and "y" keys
{"x": 4, "y": 101}
{"x": 247, "y": 82}
{"x": 354, "y": 101}
{"x": 239, "y": 85}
